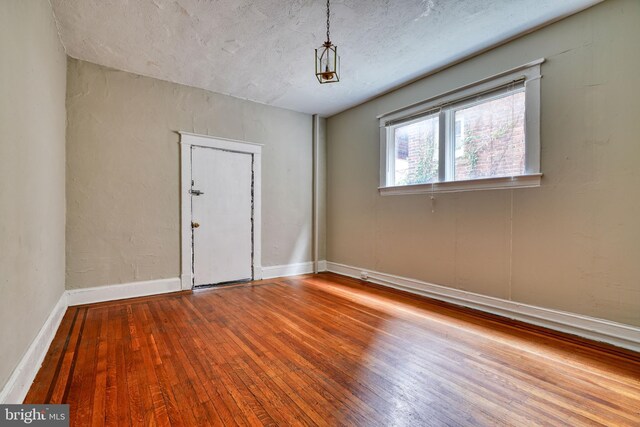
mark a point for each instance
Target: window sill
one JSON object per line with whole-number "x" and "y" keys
{"x": 520, "y": 181}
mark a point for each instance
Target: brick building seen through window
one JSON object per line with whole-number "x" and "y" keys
{"x": 488, "y": 141}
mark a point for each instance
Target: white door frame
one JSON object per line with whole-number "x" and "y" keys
{"x": 187, "y": 140}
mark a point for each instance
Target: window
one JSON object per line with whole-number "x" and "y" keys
{"x": 416, "y": 152}
{"x": 493, "y": 144}
{"x": 482, "y": 136}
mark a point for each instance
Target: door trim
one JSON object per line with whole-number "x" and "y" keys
{"x": 187, "y": 140}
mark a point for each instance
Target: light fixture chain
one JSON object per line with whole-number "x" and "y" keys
{"x": 328, "y": 12}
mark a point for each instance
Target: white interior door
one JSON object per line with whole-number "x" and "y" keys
{"x": 221, "y": 215}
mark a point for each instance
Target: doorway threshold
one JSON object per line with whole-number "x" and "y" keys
{"x": 222, "y": 284}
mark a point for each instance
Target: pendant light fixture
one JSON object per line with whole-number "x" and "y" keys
{"x": 327, "y": 59}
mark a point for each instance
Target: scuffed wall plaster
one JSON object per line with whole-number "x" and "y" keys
{"x": 263, "y": 50}
{"x": 123, "y": 188}
{"x": 574, "y": 243}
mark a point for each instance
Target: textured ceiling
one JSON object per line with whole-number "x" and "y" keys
{"x": 262, "y": 50}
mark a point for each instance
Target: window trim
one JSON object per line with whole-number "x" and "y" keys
{"x": 529, "y": 73}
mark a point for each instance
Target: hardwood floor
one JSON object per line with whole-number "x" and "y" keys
{"x": 325, "y": 350}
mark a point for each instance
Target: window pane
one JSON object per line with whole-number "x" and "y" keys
{"x": 416, "y": 152}
{"x": 489, "y": 138}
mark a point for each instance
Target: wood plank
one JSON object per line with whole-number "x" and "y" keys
{"x": 326, "y": 350}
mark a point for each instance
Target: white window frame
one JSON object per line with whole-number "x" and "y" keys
{"x": 528, "y": 73}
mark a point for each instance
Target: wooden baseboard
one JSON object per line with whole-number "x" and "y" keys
{"x": 122, "y": 291}
{"x": 20, "y": 380}
{"x": 17, "y": 386}
{"x": 617, "y": 334}
{"x": 291, "y": 269}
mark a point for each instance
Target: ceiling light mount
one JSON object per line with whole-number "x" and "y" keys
{"x": 327, "y": 59}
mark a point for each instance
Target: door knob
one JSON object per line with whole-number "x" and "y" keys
{"x": 194, "y": 224}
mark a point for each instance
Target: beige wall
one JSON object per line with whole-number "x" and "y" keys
{"x": 574, "y": 243}
{"x": 32, "y": 151}
{"x": 123, "y": 206}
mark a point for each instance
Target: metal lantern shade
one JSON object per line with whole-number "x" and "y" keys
{"x": 327, "y": 63}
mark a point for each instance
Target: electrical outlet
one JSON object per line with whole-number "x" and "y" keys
{"x": 364, "y": 275}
